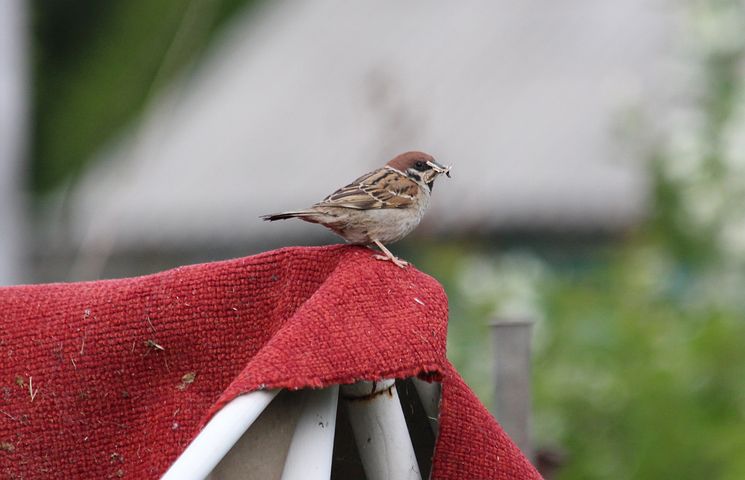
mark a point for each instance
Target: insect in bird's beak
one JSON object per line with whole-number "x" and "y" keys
{"x": 440, "y": 168}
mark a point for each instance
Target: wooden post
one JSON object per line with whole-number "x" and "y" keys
{"x": 512, "y": 350}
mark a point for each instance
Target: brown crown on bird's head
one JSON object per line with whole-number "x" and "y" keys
{"x": 419, "y": 166}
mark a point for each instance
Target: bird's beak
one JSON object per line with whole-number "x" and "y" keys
{"x": 440, "y": 168}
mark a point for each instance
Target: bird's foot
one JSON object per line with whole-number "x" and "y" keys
{"x": 396, "y": 261}
{"x": 388, "y": 255}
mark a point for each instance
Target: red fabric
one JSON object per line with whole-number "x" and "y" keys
{"x": 106, "y": 360}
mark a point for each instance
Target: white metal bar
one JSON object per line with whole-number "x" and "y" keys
{"x": 312, "y": 446}
{"x": 219, "y": 436}
{"x": 429, "y": 394}
{"x": 380, "y": 431}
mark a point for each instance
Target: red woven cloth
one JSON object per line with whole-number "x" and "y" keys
{"x": 113, "y": 378}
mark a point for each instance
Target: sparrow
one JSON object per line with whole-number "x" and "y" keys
{"x": 380, "y": 207}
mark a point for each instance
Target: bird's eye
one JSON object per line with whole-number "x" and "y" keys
{"x": 419, "y": 165}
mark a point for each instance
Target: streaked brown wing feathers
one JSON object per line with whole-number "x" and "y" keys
{"x": 383, "y": 188}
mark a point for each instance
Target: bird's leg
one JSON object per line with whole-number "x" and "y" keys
{"x": 388, "y": 255}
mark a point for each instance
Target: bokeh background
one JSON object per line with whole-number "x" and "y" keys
{"x": 598, "y": 181}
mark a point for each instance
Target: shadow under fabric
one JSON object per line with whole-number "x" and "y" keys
{"x": 115, "y": 377}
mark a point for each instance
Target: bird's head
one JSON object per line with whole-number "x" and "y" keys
{"x": 420, "y": 167}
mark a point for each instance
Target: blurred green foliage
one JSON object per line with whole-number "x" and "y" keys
{"x": 636, "y": 381}
{"x": 636, "y": 374}
{"x": 96, "y": 65}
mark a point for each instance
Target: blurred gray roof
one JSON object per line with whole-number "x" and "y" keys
{"x": 301, "y": 97}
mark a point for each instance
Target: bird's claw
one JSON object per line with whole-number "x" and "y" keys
{"x": 396, "y": 261}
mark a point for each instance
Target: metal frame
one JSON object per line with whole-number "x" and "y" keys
{"x": 310, "y": 453}
{"x": 380, "y": 431}
{"x": 219, "y": 436}
{"x": 374, "y": 412}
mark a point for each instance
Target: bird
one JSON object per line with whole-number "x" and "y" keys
{"x": 380, "y": 207}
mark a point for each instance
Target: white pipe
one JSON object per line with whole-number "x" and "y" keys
{"x": 312, "y": 446}
{"x": 380, "y": 431}
{"x": 219, "y": 436}
{"x": 429, "y": 394}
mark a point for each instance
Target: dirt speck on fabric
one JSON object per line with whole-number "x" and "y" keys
{"x": 7, "y": 447}
{"x": 186, "y": 380}
{"x": 20, "y": 381}
{"x": 57, "y": 352}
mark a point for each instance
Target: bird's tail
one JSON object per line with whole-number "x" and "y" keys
{"x": 303, "y": 214}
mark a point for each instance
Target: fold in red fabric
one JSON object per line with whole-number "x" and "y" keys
{"x": 113, "y": 378}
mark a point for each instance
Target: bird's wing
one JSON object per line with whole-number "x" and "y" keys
{"x": 384, "y": 188}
